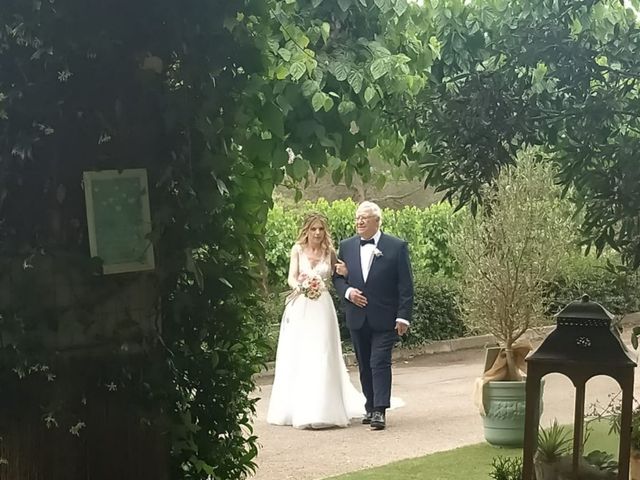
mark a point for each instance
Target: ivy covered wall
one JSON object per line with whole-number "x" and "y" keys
{"x": 92, "y": 85}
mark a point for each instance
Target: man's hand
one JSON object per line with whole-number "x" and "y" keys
{"x": 357, "y": 298}
{"x": 401, "y": 328}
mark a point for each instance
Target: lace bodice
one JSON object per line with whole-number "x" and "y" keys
{"x": 300, "y": 263}
{"x": 322, "y": 268}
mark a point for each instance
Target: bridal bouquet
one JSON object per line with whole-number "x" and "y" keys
{"x": 312, "y": 286}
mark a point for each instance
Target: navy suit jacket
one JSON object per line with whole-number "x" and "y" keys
{"x": 389, "y": 285}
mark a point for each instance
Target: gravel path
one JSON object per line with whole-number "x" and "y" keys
{"x": 439, "y": 415}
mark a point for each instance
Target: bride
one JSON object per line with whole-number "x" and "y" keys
{"x": 311, "y": 388}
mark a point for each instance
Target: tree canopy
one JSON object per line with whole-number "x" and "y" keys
{"x": 458, "y": 88}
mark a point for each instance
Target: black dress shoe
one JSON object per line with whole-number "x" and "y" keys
{"x": 366, "y": 420}
{"x": 378, "y": 421}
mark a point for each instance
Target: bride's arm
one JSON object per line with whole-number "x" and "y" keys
{"x": 294, "y": 268}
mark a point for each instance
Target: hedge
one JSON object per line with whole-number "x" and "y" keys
{"x": 437, "y": 313}
{"x": 427, "y": 230}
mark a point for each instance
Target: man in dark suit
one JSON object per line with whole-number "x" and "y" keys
{"x": 378, "y": 290}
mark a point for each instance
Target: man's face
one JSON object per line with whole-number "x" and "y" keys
{"x": 366, "y": 223}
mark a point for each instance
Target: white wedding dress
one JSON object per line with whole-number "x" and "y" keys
{"x": 312, "y": 388}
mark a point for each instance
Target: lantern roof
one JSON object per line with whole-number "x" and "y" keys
{"x": 584, "y": 335}
{"x": 586, "y": 309}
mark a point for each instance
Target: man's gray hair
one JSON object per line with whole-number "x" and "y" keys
{"x": 373, "y": 208}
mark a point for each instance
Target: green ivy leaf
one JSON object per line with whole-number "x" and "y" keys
{"x": 317, "y": 102}
{"x": 282, "y": 71}
{"x": 379, "y": 68}
{"x": 369, "y": 93}
{"x": 348, "y": 176}
{"x": 400, "y": 7}
{"x": 435, "y": 46}
{"x": 297, "y": 70}
{"x": 355, "y": 80}
{"x": 344, "y": 4}
{"x": 328, "y": 103}
{"x": 273, "y": 119}
{"x": 299, "y": 168}
{"x": 325, "y": 30}
{"x": 333, "y": 162}
{"x": 383, "y": 5}
{"x": 346, "y": 106}
{"x": 340, "y": 71}
{"x": 285, "y": 54}
{"x": 309, "y": 87}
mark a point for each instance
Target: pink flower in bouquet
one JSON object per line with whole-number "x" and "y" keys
{"x": 312, "y": 287}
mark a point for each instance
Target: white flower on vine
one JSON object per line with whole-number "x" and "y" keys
{"x": 50, "y": 421}
{"x": 64, "y": 75}
{"x": 75, "y": 430}
{"x": 112, "y": 387}
{"x": 104, "y": 138}
{"x": 292, "y": 156}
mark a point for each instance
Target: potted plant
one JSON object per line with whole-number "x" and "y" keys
{"x": 554, "y": 460}
{"x": 554, "y": 444}
{"x": 507, "y": 253}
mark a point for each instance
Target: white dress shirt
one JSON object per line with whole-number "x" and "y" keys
{"x": 366, "y": 254}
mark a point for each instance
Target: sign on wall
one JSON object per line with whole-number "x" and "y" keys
{"x": 119, "y": 219}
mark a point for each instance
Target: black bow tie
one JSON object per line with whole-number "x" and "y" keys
{"x": 364, "y": 242}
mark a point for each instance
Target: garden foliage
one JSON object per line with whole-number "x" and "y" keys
{"x": 438, "y": 281}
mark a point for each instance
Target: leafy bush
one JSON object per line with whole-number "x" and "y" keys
{"x": 436, "y": 315}
{"x": 436, "y": 311}
{"x": 427, "y": 230}
{"x": 579, "y": 274}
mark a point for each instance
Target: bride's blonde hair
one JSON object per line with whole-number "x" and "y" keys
{"x": 303, "y": 235}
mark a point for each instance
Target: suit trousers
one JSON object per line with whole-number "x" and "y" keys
{"x": 373, "y": 351}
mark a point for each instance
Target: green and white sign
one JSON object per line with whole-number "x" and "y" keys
{"x": 119, "y": 219}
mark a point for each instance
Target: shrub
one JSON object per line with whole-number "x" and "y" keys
{"x": 579, "y": 274}
{"x": 436, "y": 311}
{"x": 427, "y": 230}
{"x": 436, "y": 315}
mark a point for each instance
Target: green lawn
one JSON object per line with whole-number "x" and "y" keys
{"x": 470, "y": 463}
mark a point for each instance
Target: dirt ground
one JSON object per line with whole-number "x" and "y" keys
{"x": 439, "y": 415}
